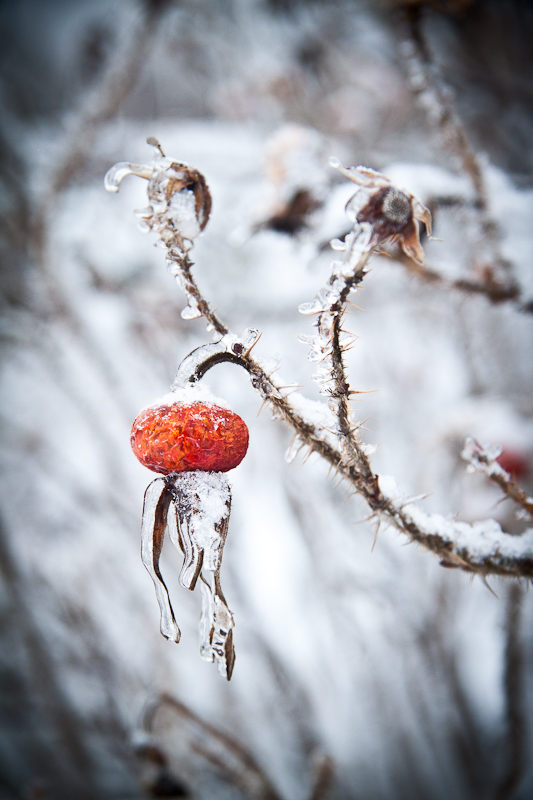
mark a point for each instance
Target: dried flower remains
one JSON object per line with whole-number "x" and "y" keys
{"x": 394, "y": 215}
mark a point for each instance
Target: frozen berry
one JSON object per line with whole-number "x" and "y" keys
{"x": 189, "y": 436}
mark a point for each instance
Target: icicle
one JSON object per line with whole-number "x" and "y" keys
{"x": 156, "y": 502}
{"x": 144, "y": 213}
{"x": 216, "y": 630}
{"x": 306, "y": 338}
{"x": 293, "y": 449}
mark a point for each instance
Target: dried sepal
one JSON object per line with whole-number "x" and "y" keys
{"x": 202, "y": 501}
{"x": 194, "y": 507}
{"x": 157, "y": 499}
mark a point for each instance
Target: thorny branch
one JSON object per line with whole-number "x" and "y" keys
{"x": 380, "y": 213}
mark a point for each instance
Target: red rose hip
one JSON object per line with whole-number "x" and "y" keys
{"x": 182, "y": 437}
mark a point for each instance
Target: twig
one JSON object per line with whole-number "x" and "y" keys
{"x": 514, "y": 697}
{"x": 437, "y": 100}
{"x": 323, "y": 777}
{"x": 493, "y": 290}
{"x": 245, "y": 772}
{"x": 485, "y": 459}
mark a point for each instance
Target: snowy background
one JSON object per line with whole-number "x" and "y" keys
{"x": 373, "y": 667}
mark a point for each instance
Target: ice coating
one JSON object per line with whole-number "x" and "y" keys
{"x": 356, "y": 249}
{"x": 482, "y": 540}
{"x": 179, "y": 199}
{"x": 216, "y": 631}
{"x": 181, "y": 437}
{"x": 194, "y": 507}
{"x": 203, "y": 503}
{"x": 155, "y": 509}
{"x": 114, "y": 176}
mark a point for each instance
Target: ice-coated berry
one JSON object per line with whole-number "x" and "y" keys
{"x": 189, "y": 436}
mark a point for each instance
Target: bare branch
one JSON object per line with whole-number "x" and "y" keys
{"x": 436, "y": 98}
{"x": 219, "y": 748}
{"x": 492, "y": 289}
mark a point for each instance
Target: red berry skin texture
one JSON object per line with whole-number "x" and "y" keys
{"x": 189, "y": 436}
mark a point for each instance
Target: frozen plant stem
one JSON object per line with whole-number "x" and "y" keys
{"x": 485, "y": 460}
{"x": 437, "y": 100}
{"x": 178, "y": 211}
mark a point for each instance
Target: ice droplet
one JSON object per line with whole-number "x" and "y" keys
{"x": 310, "y": 308}
{"x": 249, "y": 337}
{"x": 191, "y": 312}
{"x": 117, "y": 173}
{"x": 144, "y": 213}
{"x": 293, "y": 450}
{"x": 337, "y": 244}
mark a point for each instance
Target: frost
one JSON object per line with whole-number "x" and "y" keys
{"x": 182, "y": 212}
{"x": 388, "y": 487}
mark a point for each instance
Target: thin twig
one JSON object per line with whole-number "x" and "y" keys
{"x": 323, "y": 777}
{"x": 437, "y": 100}
{"x": 485, "y": 460}
{"x": 516, "y": 734}
{"x": 493, "y": 290}
{"x": 246, "y": 773}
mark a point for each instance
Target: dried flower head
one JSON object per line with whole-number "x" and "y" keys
{"x": 180, "y": 201}
{"x": 393, "y": 214}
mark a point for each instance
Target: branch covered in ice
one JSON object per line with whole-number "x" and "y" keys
{"x": 380, "y": 213}
{"x": 178, "y": 211}
{"x": 483, "y": 458}
{"x": 478, "y": 547}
